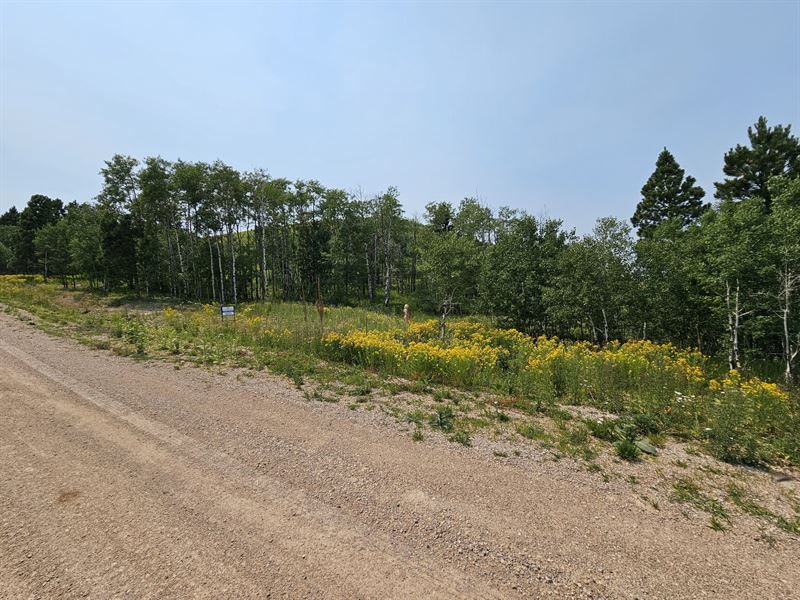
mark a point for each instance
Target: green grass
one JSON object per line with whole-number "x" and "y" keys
{"x": 285, "y": 338}
{"x": 748, "y": 504}
{"x": 684, "y": 490}
{"x": 531, "y": 431}
{"x": 627, "y": 450}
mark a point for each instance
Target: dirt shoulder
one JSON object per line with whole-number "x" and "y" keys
{"x": 126, "y": 478}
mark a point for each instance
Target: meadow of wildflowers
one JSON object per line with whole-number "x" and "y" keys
{"x": 677, "y": 391}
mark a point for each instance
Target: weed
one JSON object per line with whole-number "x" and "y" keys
{"x": 442, "y": 418}
{"x": 361, "y": 390}
{"x": 627, "y": 450}
{"x": 604, "y": 429}
{"x": 417, "y": 436}
{"x": 574, "y": 440}
{"x": 651, "y": 502}
{"x": 685, "y": 490}
{"x": 501, "y": 416}
{"x": 531, "y": 431}
{"x": 440, "y": 395}
{"x": 416, "y": 416}
{"x": 692, "y": 451}
{"x": 747, "y": 504}
{"x": 462, "y": 437}
{"x": 715, "y": 524}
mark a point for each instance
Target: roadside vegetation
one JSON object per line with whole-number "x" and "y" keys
{"x": 645, "y": 390}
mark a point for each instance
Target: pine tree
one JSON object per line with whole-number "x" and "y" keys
{"x": 10, "y": 217}
{"x": 668, "y": 195}
{"x": 773, "y": 151}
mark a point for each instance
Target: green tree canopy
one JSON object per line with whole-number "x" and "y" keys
{"x": 10, "y": 217}
{"x": 773, "y": 152}
{"x": 668, "y": 195}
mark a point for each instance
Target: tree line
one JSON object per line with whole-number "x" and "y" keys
{"x": 723, "y": 277}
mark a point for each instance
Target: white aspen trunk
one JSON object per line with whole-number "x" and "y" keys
{"x": 605, "y": 325}
{"x": 731, "y": 363}
{"x": 387, "y": 284}
{"x": 213, "y": 275}
{"x": 233, "y": 263}
{"x": 180, "y": 264}
{"x": 370, "y": 289}
{"x": 736, "y": 314}
{"x": 221, "y": 274}
{"x": 787, "y": 285}
{"x": 173, "y": 288}
{"x": 263, "y": 265}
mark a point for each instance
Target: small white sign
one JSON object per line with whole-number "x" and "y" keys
{"x": 228, "y": 311}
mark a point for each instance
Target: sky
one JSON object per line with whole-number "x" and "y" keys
{"x": 556, "y": 108}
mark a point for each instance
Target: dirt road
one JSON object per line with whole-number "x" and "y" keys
{"x": 127, "y": 479}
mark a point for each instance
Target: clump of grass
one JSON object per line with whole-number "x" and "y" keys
{"x": 461, "y": 436}
{"x": 442, "y": 394}
{"x": 574, "y": 441}
{"x": 417, "y": 436}
{"x": 685, "y": 490}
{"x": 627, "y": 450}
{"x": 501, "y": 416}
{"x": 692, "y": 451}
{"x": 442, "y": 418}
{"x": 531, "y": 431}
{"x": 321, "y": 397}
{"x": 747, "y": 504}
{"x": 416, "y": 416}
{"x": 361, "y": 390}
{"x": 604, "y": 429}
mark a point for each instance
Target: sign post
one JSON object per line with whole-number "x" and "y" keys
{"x": 227, "y": 311}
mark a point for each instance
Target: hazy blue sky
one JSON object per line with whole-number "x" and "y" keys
{"x": 555, "y": 108}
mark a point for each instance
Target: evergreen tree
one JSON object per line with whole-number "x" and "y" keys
{"x": 773, "y": 152}
{"x": 10, "y": 217}
{"x": 668, "y": 195}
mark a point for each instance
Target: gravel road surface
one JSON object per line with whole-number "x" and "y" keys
{"x": 121, "y": 478}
